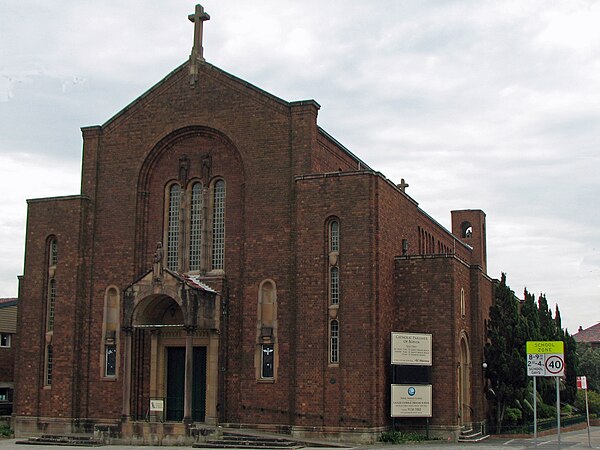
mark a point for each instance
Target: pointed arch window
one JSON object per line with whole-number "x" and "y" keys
{"x": 218, "y": 238}
{"x": 173, "y": 227}
{"x": 53, "y": 252}
{"x": 196, "y": 204}
{"x": 334, "y": 236}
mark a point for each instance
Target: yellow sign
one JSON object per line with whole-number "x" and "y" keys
{"x": 545, "y": 347}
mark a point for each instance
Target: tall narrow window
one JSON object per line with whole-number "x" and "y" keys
{"x": 334, "y": 285}
{"x": 51, "y": 305}
{"x": 196, "y": 226}
{"x": 111, "y": 360}
{"x": 110, "y": 333}
{"x": 53, "y": 252}
{"x": 267, "y": 362}
{"x": 334, "y": 236}
{"x": 173, "y": 227}
{"x": 334, "y": 342}
{"x": 5, "y": 339}
{"x": 49, "y": 363}
{"x": 218, "y": 241}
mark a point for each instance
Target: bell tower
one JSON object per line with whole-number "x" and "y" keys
{"x": 469, "y": 226}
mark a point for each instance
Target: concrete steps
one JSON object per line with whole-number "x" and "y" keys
{"x": 67, "y": 441}
{"x": 246, "y": 441}
{"x": 471, "y": 436}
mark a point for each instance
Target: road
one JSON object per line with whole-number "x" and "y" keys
{"x": 569, "y": 440}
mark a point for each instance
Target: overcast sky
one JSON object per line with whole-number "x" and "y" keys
{"x": 491, "y": 105}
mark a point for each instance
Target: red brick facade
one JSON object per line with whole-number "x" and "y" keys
{"x": 285, "y": 180}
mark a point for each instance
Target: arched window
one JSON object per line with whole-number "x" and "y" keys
{"x": 173, "y": 227}
{"x": 53, "y": 257}
{"x": 196, "y": 204}
{"x": 218, "y": 237}
{"x": 110, "y": 333}
{"x": 334, "y": 236}
{"x": 334, "y": 342}
{"x": 267, "y": 335}
{"x": 467, "y": 229}
{"x": 463, "y": 305}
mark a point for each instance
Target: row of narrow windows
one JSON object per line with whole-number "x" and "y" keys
{"x": 110, "y": 325}
{"x": 333, "y": 262}
{"x": 267, "y": 351}
{"x": 428, "y": 244}
{"x": 192, "y": 217}
{"x": 51, "y": 293}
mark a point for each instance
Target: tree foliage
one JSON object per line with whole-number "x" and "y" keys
{"x": 511, "y": 324}
{"x": 589, "y": 365}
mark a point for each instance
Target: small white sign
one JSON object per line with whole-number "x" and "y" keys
{"x": 157, "y": 405}
{"x": 411, "y": 400}
{"x": 411, "y": 349}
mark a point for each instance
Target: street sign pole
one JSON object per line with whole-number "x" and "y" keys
{"x": 587, "y": 413}
{"x": 545, "y": 359}
{"x": 535, "y": 411}
{"x": 558, "y": 410}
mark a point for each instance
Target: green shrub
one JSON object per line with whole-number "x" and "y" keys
{"x": 398, "y": 437}
{"x": 593, "y": 401}
{"x": 5, "y": 430}
{"x": 512, "y": 415}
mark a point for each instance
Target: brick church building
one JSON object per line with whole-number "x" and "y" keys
{"x": 229, "y": 262}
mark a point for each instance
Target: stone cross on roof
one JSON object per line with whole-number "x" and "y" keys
{"x": 403, "y": 185}
{"x": 198, "y": 18}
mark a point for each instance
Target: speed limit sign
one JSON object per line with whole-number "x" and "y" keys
{"x": 555, "y": 366}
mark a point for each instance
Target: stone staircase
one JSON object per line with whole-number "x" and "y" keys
{"x": 468, "y": 435}
{"x": 261, "y": 441}
{"x": 68, "y": 441}
{"x": 231, "y": 440}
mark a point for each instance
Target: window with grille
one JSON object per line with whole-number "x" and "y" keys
{"x": 51, "y": 304}
{"x": 49, "y": 363}
{"x": 53, "y": 252}
{"x": 334, "y": 342}
{"x": 218, "y": 241}
{"x": 173, "y": 227}
{"x": 334, "y": 285}
{"x": 334, "y": 236}
{"x": 196, "y": 226}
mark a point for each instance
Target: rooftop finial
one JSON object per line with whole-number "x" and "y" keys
{"x": 198, "y": 18}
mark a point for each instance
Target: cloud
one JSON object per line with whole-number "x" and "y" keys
{"x": 490, "y": 105}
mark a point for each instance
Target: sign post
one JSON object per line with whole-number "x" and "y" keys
{"x": 545, "y": 359}
{"x": 411, "y": 389}
{"x": 582, "y": 385}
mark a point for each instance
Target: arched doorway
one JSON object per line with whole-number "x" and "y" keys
{"x": 464, "y": 382}
{"x": 171, "y": 351}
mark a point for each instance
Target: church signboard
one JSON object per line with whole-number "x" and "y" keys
{"x": 411, "y": 400}
{"x": 411, "y": 349}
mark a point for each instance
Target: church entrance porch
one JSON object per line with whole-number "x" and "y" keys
{"x": 171, "y": 327}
